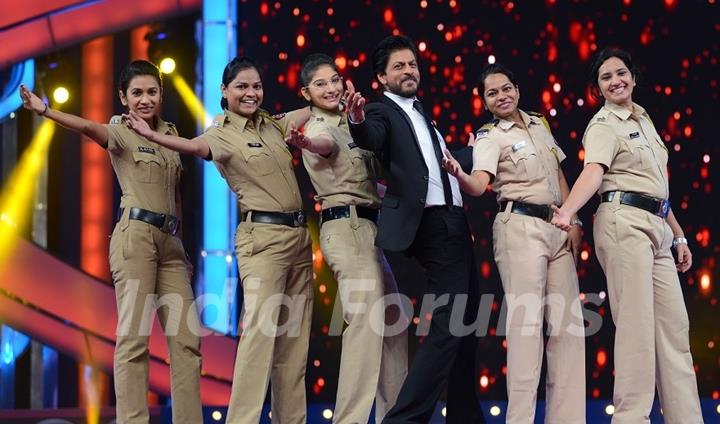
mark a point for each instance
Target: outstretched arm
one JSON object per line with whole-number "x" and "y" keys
{"x": 321, "y": 144}
{"x": 575, "y": 234}
{"x": 196, "y": 146}
{"x": 97, "y": 132}
{"x": 586, "y": 185}
{"x": 369, "y": 129}
{"x": 473, "y": 184}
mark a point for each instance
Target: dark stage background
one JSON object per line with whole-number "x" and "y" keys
{"x": 549, "y": 45}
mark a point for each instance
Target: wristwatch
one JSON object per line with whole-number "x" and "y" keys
{"x": 679, "y": 240}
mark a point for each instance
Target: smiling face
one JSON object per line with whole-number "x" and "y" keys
{"x": 501, "y": 96}
{"x": 325, "y": 89}
{"x": 401, "y": 75}
{"x": 244, "y": 93}
{"x": 143, "y": 96}
{"x": 616, "y": 82}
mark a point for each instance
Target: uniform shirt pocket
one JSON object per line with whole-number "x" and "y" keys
{"x": 526, "y": 161}
{"x": 642, "y": 156}
{"x": 259, "y": 161}
{"x": 359, "y": 161}
{"x": 148, "y": 167}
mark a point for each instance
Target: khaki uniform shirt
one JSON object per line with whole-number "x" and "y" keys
{"x": 631, "y": 150}
{"x": 255, "y": 161}
{"x": 349, "y": 174}
{"x": 523, "y": 162}
{"x": 147, "y": 172}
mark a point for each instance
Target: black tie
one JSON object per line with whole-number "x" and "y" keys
{"x": 438, "y": 154}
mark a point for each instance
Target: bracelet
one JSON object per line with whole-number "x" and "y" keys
{"x": 576, "y": 221}
{"x": 679, "y": 240}
{"x": 44, "y": 110}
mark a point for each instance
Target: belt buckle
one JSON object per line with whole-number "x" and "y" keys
{"x": 300, "y": 218}
{"x": 172, "y": 225}
{"x": 664, "y": 208}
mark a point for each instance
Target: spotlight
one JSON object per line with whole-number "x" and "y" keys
{"x": 217, "y": 415}
{"x": 610, "y": 409}
{"x": 61, "y": 95}
{"x": 167, "y": 65}
{"x": 327, "y": 414}
{"x": 495, "y": 410}
{"x": 443, "y": 412}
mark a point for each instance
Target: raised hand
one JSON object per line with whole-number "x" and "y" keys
{"x": 137, "y": 124}
{"x": 355, "y": 103}
{"x": 451, "y": 164}
{"x": 560, "y": 219}
{"x": 296, "y": 137}
{"x": 32, "y": 102}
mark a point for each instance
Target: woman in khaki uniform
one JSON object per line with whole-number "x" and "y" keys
{"x": 272, "y": 245}
{"x": 518, "y": 154}
{"x": 373, "y": 365}
{"x": 626, "y": 163}
{"x": 147, "y": 258}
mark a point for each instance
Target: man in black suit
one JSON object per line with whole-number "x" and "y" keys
{"x": 422, "y": 215}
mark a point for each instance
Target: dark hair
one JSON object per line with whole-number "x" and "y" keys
{"x": 494, "y": 68}
{"x": 312, "y": 63}
{"x": 138, "y": 68}
{"x": 600, "y": 58}
{"x": 386, "y": 47}
{"x": 233, "y": 68}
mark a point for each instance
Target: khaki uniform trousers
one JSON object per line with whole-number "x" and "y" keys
{"x": 145, "y": 263}
{"x": 651, "y": 337}
{"x": 540, "y": 281}
{"x": 275, "y": 264}
{"x": 373, "y": 365}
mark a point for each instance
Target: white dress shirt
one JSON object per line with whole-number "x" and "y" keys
{"x": 435, "y": 194}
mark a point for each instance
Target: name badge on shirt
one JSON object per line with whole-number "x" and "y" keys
{"x": 254, "y": 144}
{"x": 634, "y": 135}
{"x": 518, "y": 146}
{"x": 144, "y": 149}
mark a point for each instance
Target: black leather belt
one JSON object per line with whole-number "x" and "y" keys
{"x": 290, "y": 219}
{"x": 659, "y": 207}
{"x": 339, "y": 212}
{"x": 166, "y": 223}
{"x": 536, "y": 211}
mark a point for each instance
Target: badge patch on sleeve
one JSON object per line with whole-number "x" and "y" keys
{"x": 482, "y": 133}
{"x": 254, "y": 144}
{"x": 634, "y": 135}
{"x": 144, "y": 149}
{"x": 352, "y": 145}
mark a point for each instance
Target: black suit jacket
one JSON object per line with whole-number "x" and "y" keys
{"x": 388, "y": 131}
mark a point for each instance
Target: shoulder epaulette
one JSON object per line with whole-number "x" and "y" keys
{"x": 218, "y": 121}
{"x": 544, "y": 120}
{"x": 483, "y": 131}
{"x": 116, "y": 119}
{"x": 274, "y": 121}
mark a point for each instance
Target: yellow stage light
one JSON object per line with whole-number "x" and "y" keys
{"x": 197, "y": 109}
{"x": 61, "y": 95}
{"x": 16, "y": 199}
{"x": 167, "y": 65}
